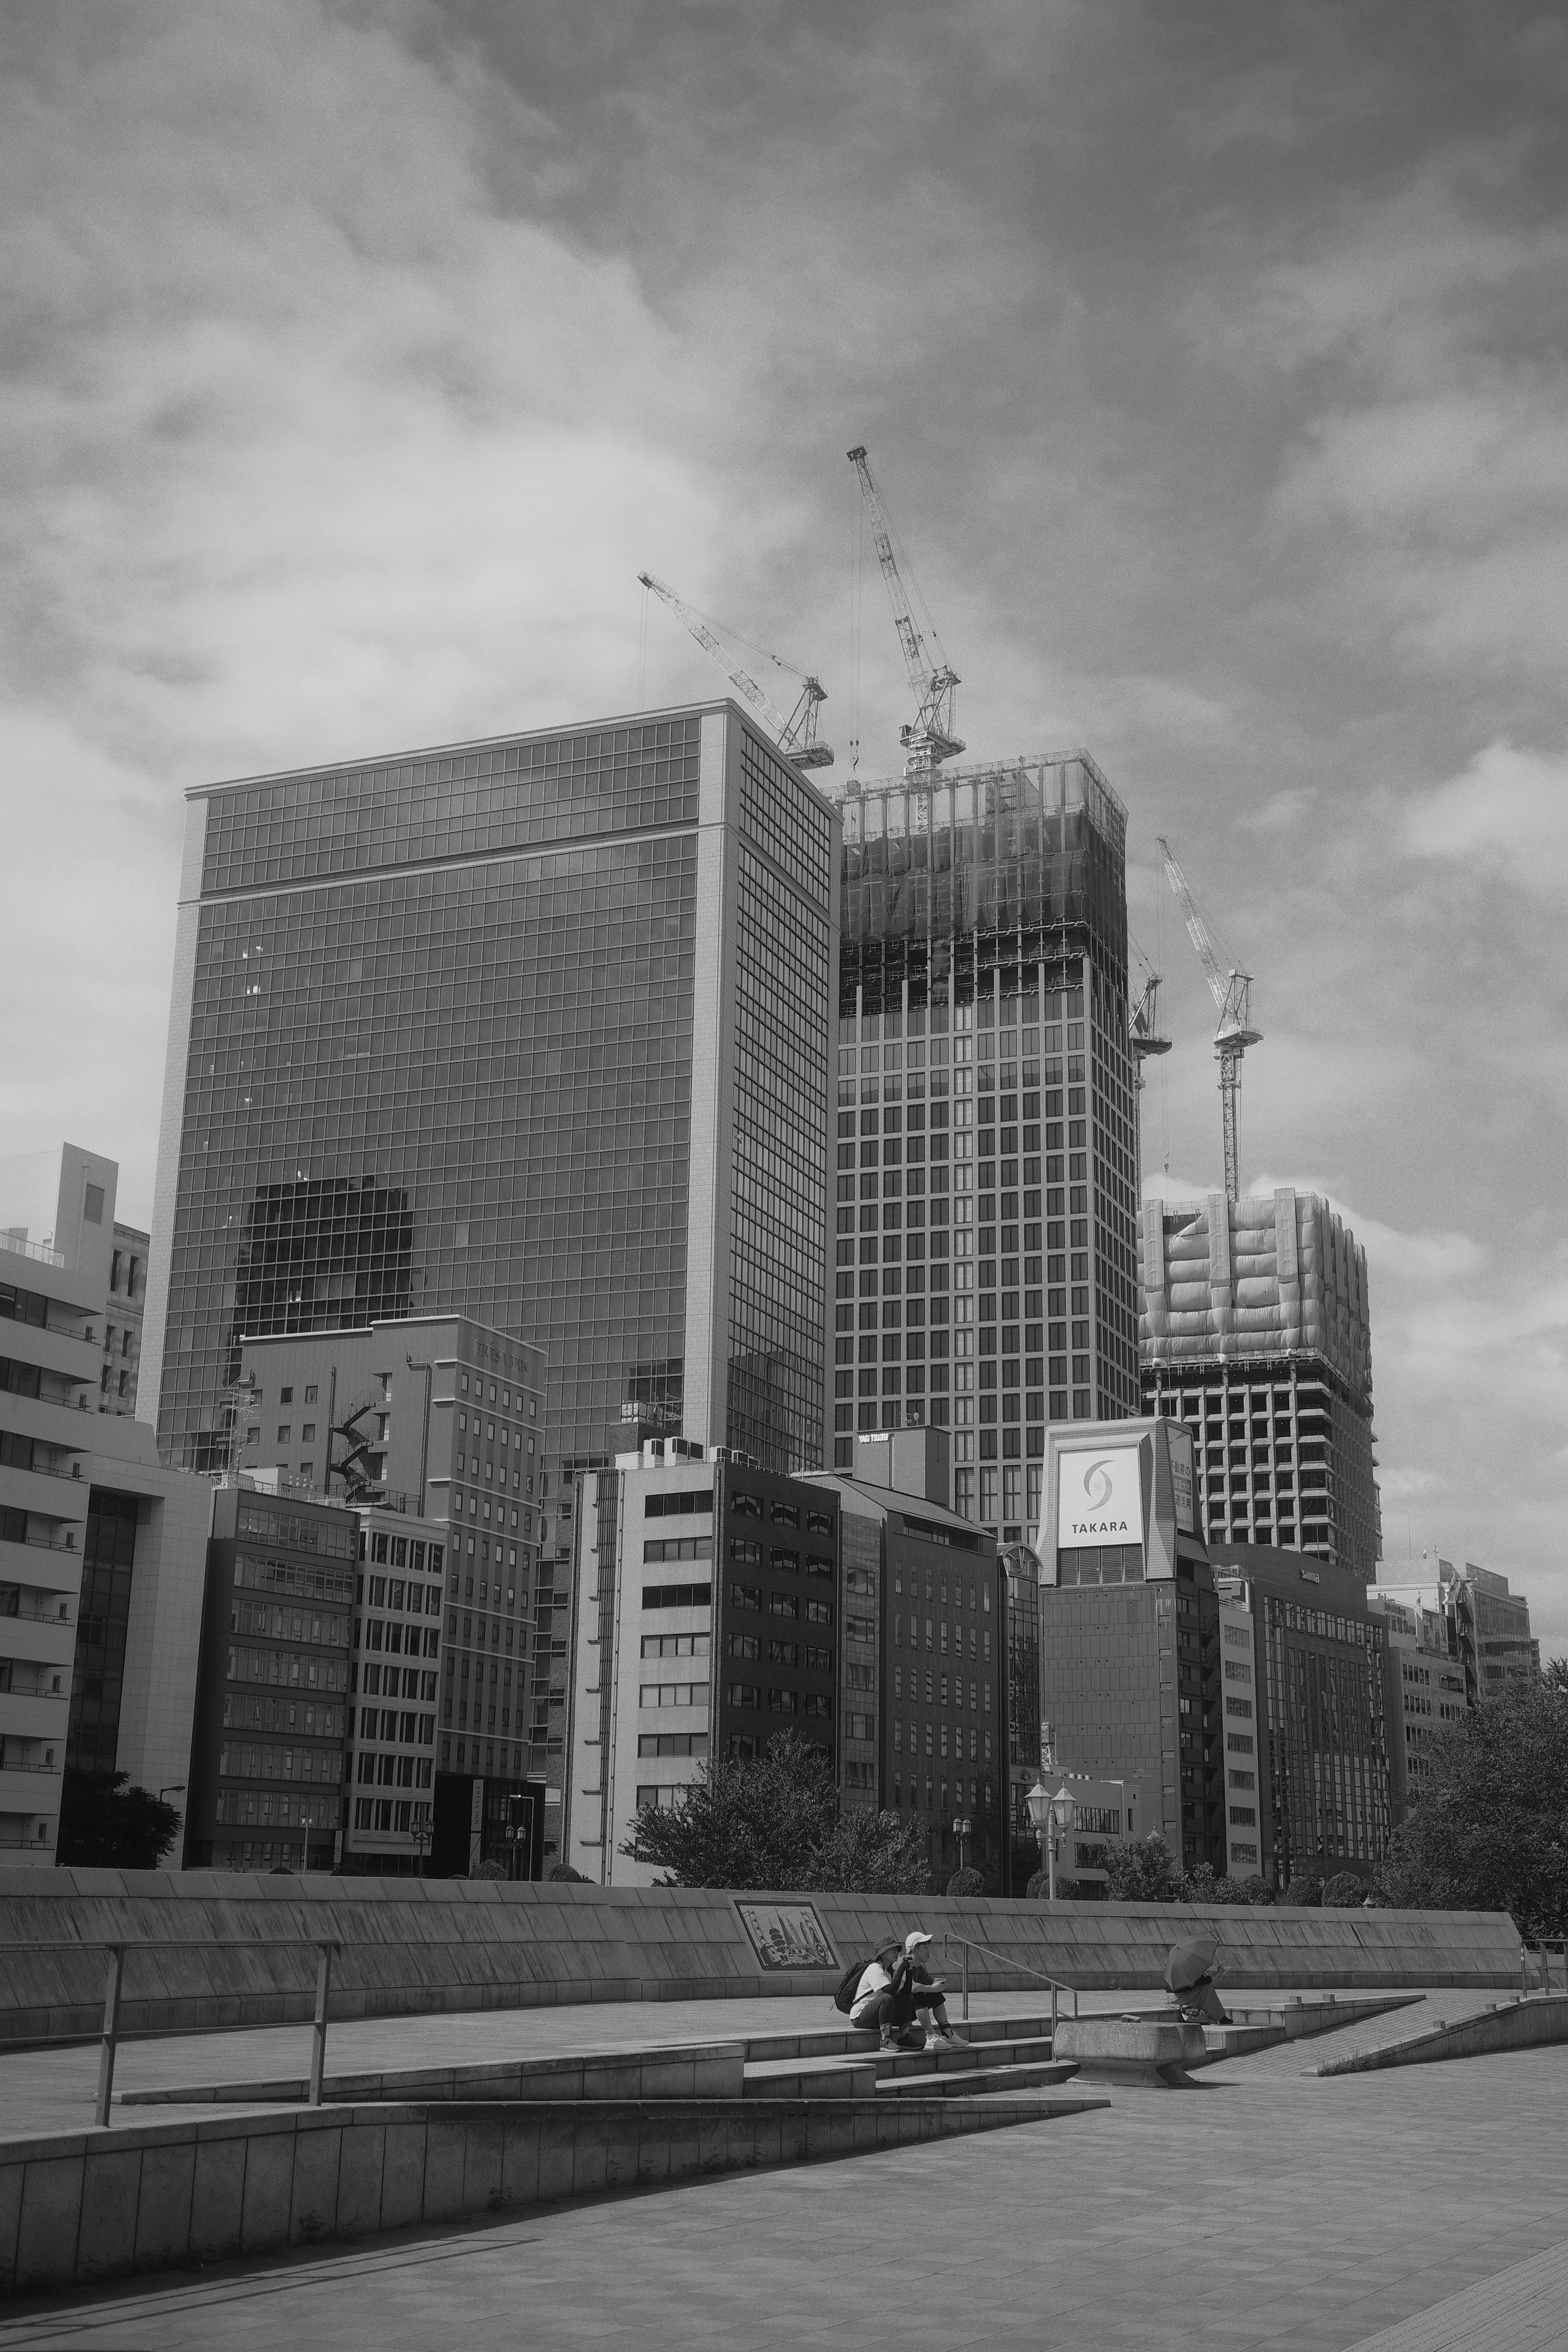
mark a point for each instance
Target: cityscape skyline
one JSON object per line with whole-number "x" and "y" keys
{"x": 1231, "y": 480}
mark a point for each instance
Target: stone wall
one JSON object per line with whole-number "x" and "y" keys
{"x": 224, "y": 1948}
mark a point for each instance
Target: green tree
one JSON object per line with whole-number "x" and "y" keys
{"x": 1489, "y": 1829}
{"x": 773, "y": 1821}
{"x": 107, "y": 1825}
{"x": 1142, "y": 1871}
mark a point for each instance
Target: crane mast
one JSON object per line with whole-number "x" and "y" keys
{"x": 931, "y": 740}
{"x": 797, "y": 734}
{"x": 1144, "y": 1040}
{"x": 1231, "y": 992}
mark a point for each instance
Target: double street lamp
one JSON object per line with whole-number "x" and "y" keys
{"x": 1051, "y": 1819}
{"x": 962, "y": 1828}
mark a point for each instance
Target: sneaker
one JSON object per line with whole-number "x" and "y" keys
{"x": 913, "y": 2038}
{"x": 945, "y": 2033}
{"x": 890, "y": 2038}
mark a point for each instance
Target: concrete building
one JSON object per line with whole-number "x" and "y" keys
{"x": 119, "y": 1374}
{"x": 1130, "y": 1634}
{"x": 102, "y": 1550}
{"x": 1427, "y": 1688}
{"x": 535, "y": 1030}
{"x": 706, "y": 1620}
{"x": 1255, "y": 1333}
{"x": 1315, "y": 1689}
{"x": 987, "y": 1187}
{"x": 267, "y": 1760}
{"x": 433, "y": 1425}
{"x": 923, "y": 1694}
{"x": 395, "y": 1669}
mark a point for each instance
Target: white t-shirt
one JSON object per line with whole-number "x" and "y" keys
{"x": 873, "y": 1984}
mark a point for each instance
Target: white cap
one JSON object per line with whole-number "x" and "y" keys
{"x": 916, "y": 1936}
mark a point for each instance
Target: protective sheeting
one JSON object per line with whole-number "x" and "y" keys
{"x": 1264, "y": 1276}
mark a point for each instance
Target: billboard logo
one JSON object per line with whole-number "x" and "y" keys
{"x": 1097, "y": 1485}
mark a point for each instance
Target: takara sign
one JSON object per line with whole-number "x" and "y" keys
{"x": 1099, "y": 1497}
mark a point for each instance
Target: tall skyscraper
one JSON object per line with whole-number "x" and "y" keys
{"x": 535, "y": 1030}
{"x": 984, "y": 1246}
{"x": 1256, "y": 1333}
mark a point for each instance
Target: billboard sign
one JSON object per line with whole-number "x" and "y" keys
{"x": 1099, "y": 1497}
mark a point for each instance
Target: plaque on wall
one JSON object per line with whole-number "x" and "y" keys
{"x": 786, "y": 1935}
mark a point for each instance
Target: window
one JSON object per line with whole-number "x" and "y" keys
{"x": 285, "y": 1396}
{"x": 311, "y": 1394}
{"x": 677, "y": 1596}
{"x": 283, "y": 1433}
{"x": 739, "y": 1645}
{"x": 1244, "y": 1816}
{"x": 819, "y": 1612}
{"x": 667, "y": 1547}
{"x": 675, "y": 1645}
{"x": 93, "y": 1205}
{"x": 745, "y": 1596}
{"x": 782, "y": 1604}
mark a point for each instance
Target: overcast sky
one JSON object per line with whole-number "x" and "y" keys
{"x": 1212, "y": 361}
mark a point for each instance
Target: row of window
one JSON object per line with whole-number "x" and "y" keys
{"x": 750, "y": 1598}
{"x": 779, "y": 1701}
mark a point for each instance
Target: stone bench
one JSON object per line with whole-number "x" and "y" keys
{"x": 1150, "y": 2052}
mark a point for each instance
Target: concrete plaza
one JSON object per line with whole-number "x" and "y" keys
{"x": 1266, "y": 2207}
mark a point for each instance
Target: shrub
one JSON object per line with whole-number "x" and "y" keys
{"x": 1142, "y": 1871}
{"x": 1303, "y": 1893}
{"x": 966, "y": 1882}
{"x": 1256, "y": 1890}
{"x": 560, "y": 1873}
{"x": 487, "y": 1869}
{"x": 1344, "y": 1891}
{"x": 1038, "y": 1887}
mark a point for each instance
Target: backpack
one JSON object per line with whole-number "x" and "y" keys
{"x": 848, "y": 1986}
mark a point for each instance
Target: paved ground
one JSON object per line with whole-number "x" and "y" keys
{"x": 1265, "y": 2208}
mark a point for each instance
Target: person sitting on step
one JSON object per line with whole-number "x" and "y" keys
{"x": 895, "y": 1990}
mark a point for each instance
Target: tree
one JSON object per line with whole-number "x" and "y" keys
{"x": 107, "y": 1825}
{"x": 1345, "y": 1891}
{"x": 966, "y": 1883}
{"x": 1303, "y": 1893}
{"x": 1142, "y": 1871}
{"x": 1489, "y": 1829}
{"x": 773, "y": 1821}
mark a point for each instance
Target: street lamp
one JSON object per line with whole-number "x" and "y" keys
{"x": 1050, "y": 1818}
{"x": 962, "y": 1828}
{"x": 421, "y": 1833}
{"x": 174, "y": 1788}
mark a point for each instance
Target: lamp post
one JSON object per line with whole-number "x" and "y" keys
{"x": 961, "y": 1827}
{"x": 421, "y": 1834}
{"x": 1050, "y": 1818}
{"x": 174, "y": 1788}
{"x": 304, "y": 1842}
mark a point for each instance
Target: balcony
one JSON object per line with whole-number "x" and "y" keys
{"x": 34, "y": 1715}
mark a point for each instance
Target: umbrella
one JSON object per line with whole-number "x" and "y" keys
{"x": 1191, "y": 1963}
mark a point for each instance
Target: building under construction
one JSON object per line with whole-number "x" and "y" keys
{"x": 986, "y": 1179}
{"x": 1255, "y": 1333}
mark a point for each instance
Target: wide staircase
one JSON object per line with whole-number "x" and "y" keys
{"x": 992, "y": 2056}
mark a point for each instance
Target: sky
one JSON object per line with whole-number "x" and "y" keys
{"x": 1214, "y": 363}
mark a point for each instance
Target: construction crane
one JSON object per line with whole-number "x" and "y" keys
{"x": 797, "y": 734}
{"x": 931, "y": 740}
{"x": 1230, "y": 991}
{"x": 1143, "y": 1039}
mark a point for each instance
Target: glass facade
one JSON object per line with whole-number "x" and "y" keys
{"x": 985, "y": 1243}
{"x": 444, "y": 1045}
{"x": 108, "y": 1557}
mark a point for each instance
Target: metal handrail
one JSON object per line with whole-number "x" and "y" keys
{"x": 323, "y": 1945}
{"x": 950, "y": 1936}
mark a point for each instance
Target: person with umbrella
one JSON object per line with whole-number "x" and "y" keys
{"x": 1190, "y": 1975}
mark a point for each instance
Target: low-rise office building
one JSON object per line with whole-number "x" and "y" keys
{"x": 431, "y": 1427}
{"x": 706, "y": 1619}
{"x": 394, "y": 1676}
{"x": 1317, "y": 1682}
{"x": 923, "y": 1700}
{"x": 266, "y": 1768}
{"x": 1130, "y": 1634}
{"x": 1427, "y": 1692}
{"x": 102, "y": 1550}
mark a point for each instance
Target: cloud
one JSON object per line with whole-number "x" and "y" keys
{"x": 1506, "y": 814}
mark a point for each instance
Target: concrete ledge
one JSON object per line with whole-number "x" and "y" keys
{"x": 703, "y": 2070}
{"x": 82, "y": 2207}
{"x": 1528, "y": 2023}
{"x": 1151, "y": 2054}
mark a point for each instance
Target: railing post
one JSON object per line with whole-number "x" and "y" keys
{"x": 110, "y": 2030}
{"x": 318, "y": 2030}
{"x": 1053, "y": 2020}
{"x": 966, "y": 1984}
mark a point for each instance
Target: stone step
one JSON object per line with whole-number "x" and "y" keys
{"x": 852, "y": 2076}
{"x": 850, "y": 2040}
{"x": 981, "y": 2081}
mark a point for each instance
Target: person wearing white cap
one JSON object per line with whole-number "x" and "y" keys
{"x": 895, "y": 1988}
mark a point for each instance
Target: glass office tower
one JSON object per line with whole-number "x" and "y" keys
{"x": 985, "y": 1244}
{"x": 535, "y": 1030}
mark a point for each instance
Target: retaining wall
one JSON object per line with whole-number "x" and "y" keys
{"x": 77, "y": 2207}
{"x": 412, "y": 1946}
